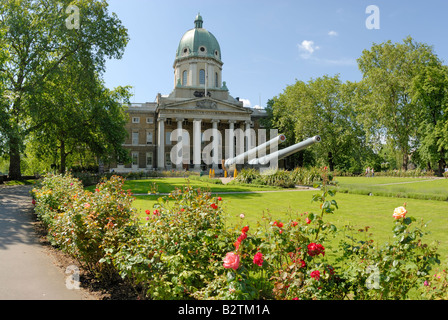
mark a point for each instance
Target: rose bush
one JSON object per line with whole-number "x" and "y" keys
{"x": 184, "y": 249}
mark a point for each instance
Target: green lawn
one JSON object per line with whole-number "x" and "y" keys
{"x": 354, "y": 209}
{"x": 417, "y": 188}
{"x": 166, "y": 185}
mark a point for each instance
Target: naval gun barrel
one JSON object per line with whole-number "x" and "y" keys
{"x": 283, "y": 153}
{"x": 243, "y": 157}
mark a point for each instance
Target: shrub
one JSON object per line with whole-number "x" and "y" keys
{"x": 180, "y": 246}
{"x": 185, "y": 250}
{"x": 87, "y": 225}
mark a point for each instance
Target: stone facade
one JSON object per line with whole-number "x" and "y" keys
{"x": 200, "y": 101}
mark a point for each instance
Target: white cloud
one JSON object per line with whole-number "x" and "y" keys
{"x": 246, "y": 102}
{"x": 333, "y": 33}
{"x": 307, "y": 48}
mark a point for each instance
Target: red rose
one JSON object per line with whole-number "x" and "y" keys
{"x": 214, "y": 206}
{"x": 315, "y": 274}
{"x": 308, "y": 221}
{"x": 258, "y": 259}
{"x": 242, "y": 237}
{"x": 278, "y": 224}
{"x": 315, "y": 249}
{"x": 245, "y": 229}
{"x": 219, "y": 198}
{"x": 147, "y": 211}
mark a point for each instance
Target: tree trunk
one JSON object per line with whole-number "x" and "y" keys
{"x": 441, "y": 168}
{"x": 330, "y": 161}
{"x": 405, "y": 161}
{"x": 63, "y": 157}
{"x": 15, "y": 172}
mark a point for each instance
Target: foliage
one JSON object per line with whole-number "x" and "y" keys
{"x": 387, "y": 108}
{"x": 36, "y": 45}
{"x": 179, "y": 248}
{"x": 185, "y": 250}
{"x": 393, "y": 270}
{"x": 279, "y": 178}
{"x": 87, "y": 225}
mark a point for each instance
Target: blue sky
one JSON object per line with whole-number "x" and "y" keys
{"x": 266, "y": 45}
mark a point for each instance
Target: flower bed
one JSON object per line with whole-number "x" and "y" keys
{"x": 185, "y": 250}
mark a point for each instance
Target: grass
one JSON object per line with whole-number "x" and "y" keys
{"x": 166, "y": 185}
{"x": 415, "y": 188}
{"x": 19, "y": 182}
{"x": 356, "y": 210}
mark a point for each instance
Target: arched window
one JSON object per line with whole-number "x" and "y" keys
{"x": 184, "y": 78}
{"x": 202, "y": 76}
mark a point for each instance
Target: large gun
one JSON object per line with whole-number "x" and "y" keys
{"x": 244, "y": 157}
{"x": 283, "y": 153}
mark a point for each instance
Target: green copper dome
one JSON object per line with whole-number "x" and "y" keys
{"x": 198, "y": 42}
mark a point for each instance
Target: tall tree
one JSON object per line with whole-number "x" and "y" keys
{"x": 77, "y": 114}
{"x": 37, "y": 41}
{"x": 388, "y": 71}
{"x": 320, "y": 107}
{"x": 430, "y": 91}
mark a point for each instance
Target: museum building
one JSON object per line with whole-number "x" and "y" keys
{"x": 199, "y": 101}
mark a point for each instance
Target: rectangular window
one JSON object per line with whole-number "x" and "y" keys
{"x": 150, "y": 120}
{"x": 135, "y": 138}
{"x": 136, "y": 120}
{"x": 184, "y": 78}
{"x": 168, "y": 159}
{"x": 134, "y": 158}
{"x": 148, "y": 137}
{"x": 202, "y": 76}
{"x": 149, "y": 159}
{"x": 168, "y": 138}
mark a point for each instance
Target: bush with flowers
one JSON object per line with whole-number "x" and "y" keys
{"x": 87, "y": 225}
{"x": 185, "y": 250}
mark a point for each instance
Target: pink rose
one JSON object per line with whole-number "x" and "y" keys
{"x": 231, "y": 260}
{"x": 399, "y": 212}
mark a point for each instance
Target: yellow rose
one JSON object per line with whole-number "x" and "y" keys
{"x": 399, "y": 212}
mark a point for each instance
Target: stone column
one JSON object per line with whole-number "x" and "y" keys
{"x": 215, "y": 144}
{"x": 247, "y": 133}
{"x": 231, "y": 140}
{"x": 161, "y": 144}
{"x": 197, "y": 144}
{"x": 180, "y": 132}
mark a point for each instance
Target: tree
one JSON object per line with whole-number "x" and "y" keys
{"x": 430, "y": 91}
{"x": 36, "y": 42}
{"x": 388, "y": 107}
{"x": 321, "y": 107}
{"x": 78, "y": 114}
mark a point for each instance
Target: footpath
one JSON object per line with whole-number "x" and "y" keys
{"x": 27, "y": 270}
